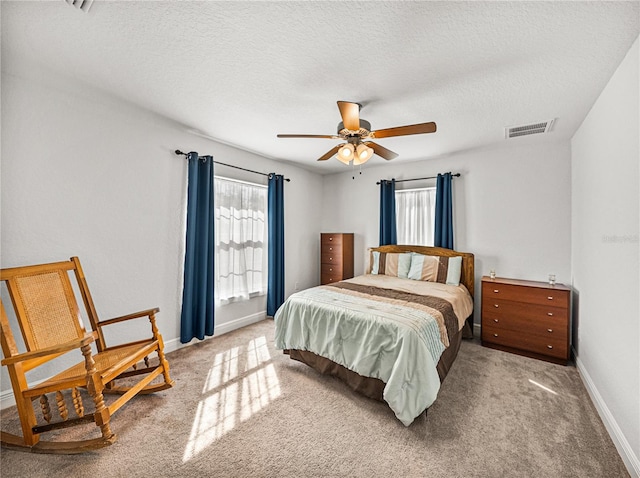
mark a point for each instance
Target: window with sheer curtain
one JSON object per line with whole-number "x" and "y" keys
{"x": 415, "y": 215}
{"x": 241, "y": 239}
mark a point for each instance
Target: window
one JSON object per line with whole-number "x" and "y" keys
{"x": 241, "y": 239}
{"x": 415, "y": 216}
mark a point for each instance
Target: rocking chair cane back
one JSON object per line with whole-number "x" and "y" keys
{"x": 49, "y": 319}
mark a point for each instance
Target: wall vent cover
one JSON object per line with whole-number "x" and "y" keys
{"x": 83, "y": 5}
{"x": 526, "y": 129}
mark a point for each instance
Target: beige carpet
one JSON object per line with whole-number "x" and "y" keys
{"x": 242, "y": 409}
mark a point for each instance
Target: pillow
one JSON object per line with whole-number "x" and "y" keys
{"x": 375, "y": 262}
{"x": 445, "y": 270}
{"x": 404, "y": 263}
{"x": 454, "y": 270}
{"x": 423, "y": 267}
{"x": 391, "y": 263}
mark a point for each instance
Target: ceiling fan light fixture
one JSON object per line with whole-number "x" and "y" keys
{"x": 363, "y": 154}
{"x": 345, "y": 153}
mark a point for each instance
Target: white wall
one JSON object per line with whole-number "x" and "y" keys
{"x": 86, "y": 174}
{"x": 605, "y": 255}
{"x": 511, "y": 207}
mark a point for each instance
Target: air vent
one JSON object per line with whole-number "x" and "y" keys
{"x": 526, "y": 129}
{"x": 83, "y": 5}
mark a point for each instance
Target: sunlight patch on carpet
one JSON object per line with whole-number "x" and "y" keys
{"x": 547, "y": 389}
{"x": 231, "y": 396}
{"x": 225, "y": 368}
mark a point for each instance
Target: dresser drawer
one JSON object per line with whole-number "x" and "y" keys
{"x": 532, "y": 295}
{"x": 331, "y": 238}
{"x": 541, "y": 326}
{"x": 553, "y": 346}
{"x": 331, "y": 269}
{"x": 528, "y": 312}
{"x": 331, "y": 248}
{"x": 330, "y": 278}
{"x": 330, "y": 258}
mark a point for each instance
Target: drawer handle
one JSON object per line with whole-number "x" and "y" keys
{"x": 495, "y": 291}
{"x": 495, "y": 335}
{"x": 550, "y": 314}
{"x": 330, "y": 269}
{"x": 331, "y": 248}
{"x": 496, "y": 320}
{"x": 331, "y": 238}
{"x": 549, "y": 330}
{"x": 549, "y": 347}
{"x": 550, "y": 298}
{"x": 496, "y": 305}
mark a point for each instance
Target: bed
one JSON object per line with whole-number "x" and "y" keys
{"x": 392, "y": 333}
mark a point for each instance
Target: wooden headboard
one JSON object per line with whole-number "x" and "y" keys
{"x": 467, "y": 274}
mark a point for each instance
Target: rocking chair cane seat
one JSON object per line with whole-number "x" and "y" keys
{"x": 48, "y": 317}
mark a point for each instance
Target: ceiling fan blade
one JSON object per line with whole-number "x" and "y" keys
{"x": 381, "y": 150}
{"x": 328, "y": 136}
{"x": 350, "y": 113}
{"x": 330, "y": 153}
{"x": 420, "y": 128}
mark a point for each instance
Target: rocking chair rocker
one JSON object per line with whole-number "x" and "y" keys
{"x": 49, "y": 319}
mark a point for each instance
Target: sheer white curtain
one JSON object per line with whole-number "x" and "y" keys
{"x": 415, "y": 213}
{"x": 241, "y": 239}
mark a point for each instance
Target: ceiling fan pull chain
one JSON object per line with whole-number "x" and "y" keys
{"x": 353, "y": 176}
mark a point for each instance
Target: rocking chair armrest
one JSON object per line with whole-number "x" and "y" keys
{"x": 143, "y": 313}
{"x": 54, "y": 350}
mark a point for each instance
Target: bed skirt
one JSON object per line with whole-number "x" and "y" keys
{"x": 374, "y": 387}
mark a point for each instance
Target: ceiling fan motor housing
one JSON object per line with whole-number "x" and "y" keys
{"x": 354, "y": 137}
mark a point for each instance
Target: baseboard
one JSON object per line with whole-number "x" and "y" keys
{"x": 631, "y": 461}
{"x": 7, "y": 399}
{"x": 239, "y": 323}
{"x": 175, "y": 344}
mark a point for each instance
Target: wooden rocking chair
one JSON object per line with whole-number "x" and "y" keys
{"x": 49, "y": 318}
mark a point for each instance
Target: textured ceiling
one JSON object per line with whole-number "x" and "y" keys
{"x": 241, "y": 72}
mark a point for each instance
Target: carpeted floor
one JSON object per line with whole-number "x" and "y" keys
{"x": 240, "y": 408}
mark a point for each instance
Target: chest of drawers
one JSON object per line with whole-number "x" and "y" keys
{"x": 336, "y": 257}
{"x": 526, "y": 317}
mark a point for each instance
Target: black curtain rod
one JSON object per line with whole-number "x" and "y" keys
{"x": 457, "y": 175}
{"x": 178, "y": 152}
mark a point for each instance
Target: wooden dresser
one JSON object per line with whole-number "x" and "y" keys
{"x": 527, "y": 318}
{"x": 336, "y": 257}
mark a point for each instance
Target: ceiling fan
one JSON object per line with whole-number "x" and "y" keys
{"x": 357, "y": 133}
